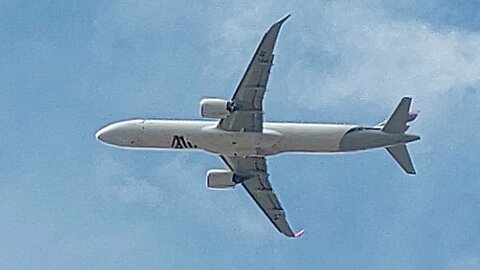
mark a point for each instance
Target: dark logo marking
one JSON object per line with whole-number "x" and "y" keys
{"x": 179, "y": 142}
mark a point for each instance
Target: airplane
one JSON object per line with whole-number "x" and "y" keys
{"x": 243, "y": 140}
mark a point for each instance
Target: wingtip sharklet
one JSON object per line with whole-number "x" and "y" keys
{"x": 299, "y": 234}
{"x": 284, "y": 19}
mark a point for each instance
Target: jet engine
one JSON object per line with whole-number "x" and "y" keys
{"x": 215, "y": 108}
{"x": 220, "y": 179}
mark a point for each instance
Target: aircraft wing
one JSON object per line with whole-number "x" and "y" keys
{"x": 253, "y": 172}
{"x": 247, "y": 100}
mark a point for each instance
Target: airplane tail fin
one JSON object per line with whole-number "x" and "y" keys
{"x": 397, "y": 123}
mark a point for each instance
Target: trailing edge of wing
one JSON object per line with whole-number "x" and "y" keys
{"x": 256, "y": 183}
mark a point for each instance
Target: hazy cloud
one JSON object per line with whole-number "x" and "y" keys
{"x": 117, "y": 182}
{"x": 344, "y": 52}
{"x": 177, "y": 186}
{"x": 151, "y": 210}
{"x": 381, "y": 59}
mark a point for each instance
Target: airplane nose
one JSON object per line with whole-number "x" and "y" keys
{"x": 108, "y": 135}
{"x": 100, "y": 134}
{"x": 124, "y": 133}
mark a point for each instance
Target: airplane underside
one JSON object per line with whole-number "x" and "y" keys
{"x": 276, "y": 138}
{"x": 204, "y": 135}
{"x": 242, "y": 139}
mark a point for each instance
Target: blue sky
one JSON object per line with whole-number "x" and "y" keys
{"x": 70, "y": 67}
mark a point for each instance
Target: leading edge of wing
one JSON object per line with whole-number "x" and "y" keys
{"x": 275, "y": 28}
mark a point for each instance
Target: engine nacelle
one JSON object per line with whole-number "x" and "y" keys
{"x": 220, "y": 179}
{"x": 215, "y": 108}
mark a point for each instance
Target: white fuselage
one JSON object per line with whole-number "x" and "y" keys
{"x": 194, "y": 134}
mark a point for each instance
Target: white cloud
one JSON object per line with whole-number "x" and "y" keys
{"x": 382, "y": 59}
{"x": 118, "y": 183}
{"x": 178, "y": 187}
{"x": 187, "y": 182}
{"x": 243, "y": 26}
{"x": 341, "y": 52}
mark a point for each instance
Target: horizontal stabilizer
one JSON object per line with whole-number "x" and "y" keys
{"x": 397, "y": 123}
{"x": 400, "y": 154}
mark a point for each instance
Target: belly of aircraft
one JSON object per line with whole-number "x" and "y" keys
{"x": 203, "y": 135}
{"x": 299, "y": 137}
{"x": 276, "y": 138}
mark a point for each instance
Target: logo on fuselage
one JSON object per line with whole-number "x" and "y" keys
{"x": 180, "y": 142}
